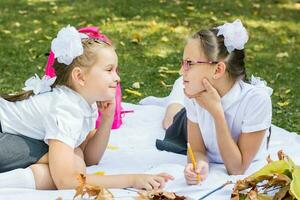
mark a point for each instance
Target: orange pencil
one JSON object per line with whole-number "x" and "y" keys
{"x": 192, "y": 157}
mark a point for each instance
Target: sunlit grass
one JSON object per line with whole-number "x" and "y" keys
{"x": 150, "y": 35}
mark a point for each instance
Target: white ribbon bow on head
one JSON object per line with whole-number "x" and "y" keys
{"x": 38, "y": 85}
{"x": 235, "y": 35}
{"x": 67, "y": 45}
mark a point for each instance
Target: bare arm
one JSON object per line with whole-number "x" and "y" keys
{"x": 65, "y": 166}
{"x": 236, "y": 157}
{"x": 96, "y": 146}
{"x": 196, "y": 141}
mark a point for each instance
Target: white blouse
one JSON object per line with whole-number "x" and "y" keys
{"x": 61, "y": 114}
{"x": 247, "y": 109}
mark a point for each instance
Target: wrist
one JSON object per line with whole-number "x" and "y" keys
{"x": 218, "y": 113}
{"x": 107, "y": 119}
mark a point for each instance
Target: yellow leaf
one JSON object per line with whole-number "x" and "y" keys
{"x": 165, "y": 85}
{"x": 152, "y": 23}
{"x": 136, "y": 85}
{"x": 283, "y": 104}
{"x": 163, "y": 75}
{"x": 171, "y": 71}
{"x": 36, "y": 21}
{"x": 17, "y": 24}
{"x": 36, "y": 31}
{"x": 214, "y": 18}
{"x": 48, "y": 37}
{"x": 287, "y": 91}
{"x": 6, "y": 31}
{"x": 136, "y": 37}
{"x": 282, "y": 55}
{"x": 100, "y": 173}
{"x": 134, "y": 92}
{"x": 190, "y": 8}
{"x": 122, "y": 43}
{"x": 295, "y": 184}
{"x": 22, "y": 12}
{"x": 279, "y": 166}
{"x": 165, "y": 39}
{"x": 112, "y": 147}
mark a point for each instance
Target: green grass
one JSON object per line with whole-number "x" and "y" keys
{"x": 150, "y": 34}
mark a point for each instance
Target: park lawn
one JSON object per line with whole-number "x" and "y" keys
{"x": 149, "y": 36}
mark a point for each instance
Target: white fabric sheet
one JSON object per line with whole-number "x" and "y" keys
{"x": 132, "y": 150}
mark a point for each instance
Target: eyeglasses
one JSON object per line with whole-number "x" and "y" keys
{"x": 186, "y": 64}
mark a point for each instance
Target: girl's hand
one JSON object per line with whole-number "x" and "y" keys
{"x": 209, "y": 99}
{"x": 107, "y": 108}
{"x": 190, "y": 174}
{"x": 150, "y": 182}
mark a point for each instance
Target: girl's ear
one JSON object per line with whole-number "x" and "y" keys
{"x": 78, "y": 76}
{"x": 220, "y": 70}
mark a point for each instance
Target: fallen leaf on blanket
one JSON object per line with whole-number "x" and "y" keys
{"x": 112, "y": 147}
{"x": 277, "y": 180}
{"x": 100, "y": 173}
{"x": 92, "y": 191}
{"x": 158, "y": 195}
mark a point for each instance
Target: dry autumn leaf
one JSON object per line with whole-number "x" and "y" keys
{"x": 158, "y": 195}
{"x": 281, "y": 178}
{"x": 133, "y": 92}
{"x": 100, "y": 193}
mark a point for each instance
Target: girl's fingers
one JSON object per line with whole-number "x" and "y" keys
{"x": 166, "y": 176}
{"x": 160, "y": 180}
{"x": 154, "y": 184}
{"x": 189, "y": 170}
{"x": 148, "y": 186}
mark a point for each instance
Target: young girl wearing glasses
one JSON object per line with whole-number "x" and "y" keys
{"x": 225, "y": 119}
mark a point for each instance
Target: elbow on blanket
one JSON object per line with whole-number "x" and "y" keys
{"x": 90, "y": 162}
{"x": 237, "y": 171}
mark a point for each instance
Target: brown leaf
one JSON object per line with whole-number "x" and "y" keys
{"x": 252, "y": 195}
{"x": 92, "y": 190}
{"x": 158, "y": 194}
{"x": 282, "y": 193}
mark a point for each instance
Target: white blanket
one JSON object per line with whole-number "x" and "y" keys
{"x": 132, "y": 150}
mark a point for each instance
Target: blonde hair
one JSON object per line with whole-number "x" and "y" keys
{"x": 63, "y": 71}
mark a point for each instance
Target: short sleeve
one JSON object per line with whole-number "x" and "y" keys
{"x": 190, "y": 109}
{"x": 63, "y": 123}
{"x": 258, "y": 113}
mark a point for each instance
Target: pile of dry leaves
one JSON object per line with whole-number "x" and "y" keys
{"x": 100, "y": 193}
{"x": 279, "y": 180}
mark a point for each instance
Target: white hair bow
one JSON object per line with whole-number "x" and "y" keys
{"x": 235, "y": 35}
{"x": 67, "y": 45}
{"x": 38, "y": 85}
